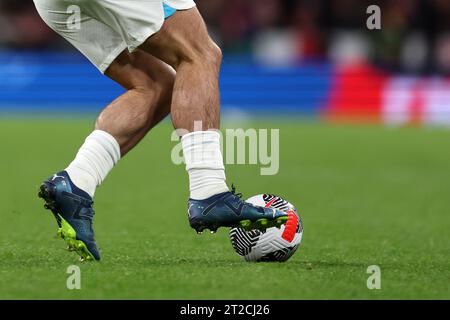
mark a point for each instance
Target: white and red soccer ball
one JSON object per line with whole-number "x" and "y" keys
{"x": 274, "y": 244}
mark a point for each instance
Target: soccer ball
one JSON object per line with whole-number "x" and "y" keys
{"x": 274, "y": 244}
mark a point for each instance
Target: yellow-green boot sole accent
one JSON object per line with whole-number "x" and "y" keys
{"x": 69, "y": 235}
{"x": 262, "y": 224}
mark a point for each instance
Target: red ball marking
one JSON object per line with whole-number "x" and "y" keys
{"x": 290, "y": 227}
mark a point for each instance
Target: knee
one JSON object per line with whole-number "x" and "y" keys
{"x": 204, "y": 52}
{"x": 214, "y": 54}
{"x": 208, "y": 52}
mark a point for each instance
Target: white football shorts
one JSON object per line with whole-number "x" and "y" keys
{"x": 102, "y": 29}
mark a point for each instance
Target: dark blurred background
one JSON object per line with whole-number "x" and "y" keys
{"x": 415, "y": 33}
{"x": 317, "y": 38}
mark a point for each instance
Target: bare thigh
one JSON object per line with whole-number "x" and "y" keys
{"x": 183, "y": 42}
{"x": 182, "y": 38}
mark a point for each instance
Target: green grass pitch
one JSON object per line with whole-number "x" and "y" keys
{"x": 367, "y": 196}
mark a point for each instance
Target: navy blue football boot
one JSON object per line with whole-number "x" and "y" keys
{"x": 73, "y": 210}
{"x": 229, "y": 210}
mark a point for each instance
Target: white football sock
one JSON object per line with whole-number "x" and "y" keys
{"x": 96, "y": 157}
{"x": 204, "y": 164}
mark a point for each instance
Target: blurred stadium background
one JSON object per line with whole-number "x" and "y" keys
{"x": 281, "y": 57}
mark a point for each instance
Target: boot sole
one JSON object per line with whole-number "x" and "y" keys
{"x": 247, "y": 225}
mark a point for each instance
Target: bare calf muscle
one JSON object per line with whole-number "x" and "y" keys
{"x": 149, "y": 84}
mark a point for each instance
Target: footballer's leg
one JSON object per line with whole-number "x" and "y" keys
{"x": 148, "y": 83}
{"x": 121, "y": 125}
{"x": 184, "y": 43}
